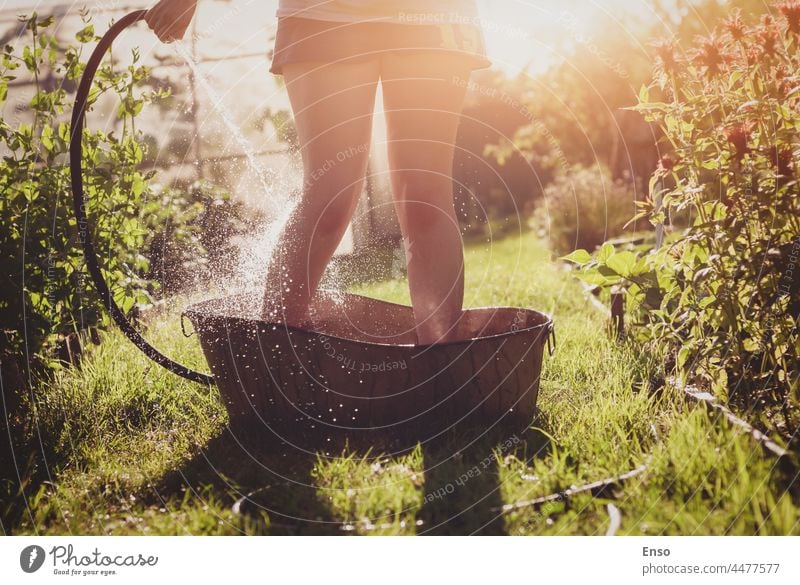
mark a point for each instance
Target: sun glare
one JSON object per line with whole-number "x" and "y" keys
{"x": 519, "y": 34}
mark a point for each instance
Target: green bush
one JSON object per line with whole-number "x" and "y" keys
{"x": 44, "y": 292}
{"x": 724, "y": 295}
{"x": 583, "y": 208}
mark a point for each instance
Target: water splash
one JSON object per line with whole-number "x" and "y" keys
{"x": 266, "y": 177}
{"x": 256, "y": 250}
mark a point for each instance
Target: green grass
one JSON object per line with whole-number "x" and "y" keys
{"x": 132, "y": 449}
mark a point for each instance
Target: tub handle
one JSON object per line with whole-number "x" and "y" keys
{"x": 183, "y": 327}
{"x": 551, "y": 340}
{"x": 79, "y": 202}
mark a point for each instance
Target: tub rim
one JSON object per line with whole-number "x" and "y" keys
{"x": 193, "y": 311}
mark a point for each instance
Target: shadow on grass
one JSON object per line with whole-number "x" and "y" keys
{"x": 28, "y": 460}
{"x": 271, "y": 481}
{"x": 462, "y": 490}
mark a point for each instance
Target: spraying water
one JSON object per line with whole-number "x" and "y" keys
{"x": 266, "y": 177}
{"x": 254, "y": 251}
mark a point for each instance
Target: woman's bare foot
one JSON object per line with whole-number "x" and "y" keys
{"x": 276, "y": 310}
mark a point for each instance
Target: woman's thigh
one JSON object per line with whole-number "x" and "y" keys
{"x": 332, "y": 106}
{"x": 423, "y": 96}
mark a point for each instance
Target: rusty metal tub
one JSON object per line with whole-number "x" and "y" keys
{"x": 356, "y": 370}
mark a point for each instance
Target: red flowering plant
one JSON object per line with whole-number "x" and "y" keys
{"x": 721, "y": 296}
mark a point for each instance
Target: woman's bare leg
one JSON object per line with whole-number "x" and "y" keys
{"x": 423, "y": 97}
{"x": 332, "y": 106}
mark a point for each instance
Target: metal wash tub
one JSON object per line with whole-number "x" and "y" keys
{"x": 356, "y": 371}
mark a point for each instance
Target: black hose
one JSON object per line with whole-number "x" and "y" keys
{"x": 79, "y": 204}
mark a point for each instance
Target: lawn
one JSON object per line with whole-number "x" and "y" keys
{"x": 124, "y": 447}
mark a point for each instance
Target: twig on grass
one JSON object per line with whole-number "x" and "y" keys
{"x": 596, "y": 489}
{"x": 694, "y": 394}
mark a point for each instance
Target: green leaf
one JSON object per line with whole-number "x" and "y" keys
{"x": 138, "y": 185}
{"x": 47, "y": 22}
{"x": 47, "y": 138}
{"x": 29, "y": 59}
{"x": 86, "y": 34}
{"x": 622, "y": 263}
{"x": 578, "y": 257}
{"x": 606, "y": 251}
{"x": 683, "y": 356}
{"x": 735, "y": 76}
{"x": 751, "y": 345}
{"x": 63, "y": 132}
{"x": 609, "y": 273}
{"x": 594, "y": 277}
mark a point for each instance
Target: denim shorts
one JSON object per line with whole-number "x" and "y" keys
{"x": 303, "y": 40}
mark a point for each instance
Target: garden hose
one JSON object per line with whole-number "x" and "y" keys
{"x": 79, "y": 204}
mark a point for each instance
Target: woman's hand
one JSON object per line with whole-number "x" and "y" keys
{"x": 169, "y": 19}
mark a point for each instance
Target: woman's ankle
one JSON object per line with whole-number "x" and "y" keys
{"x": 440, "y": 329}
{"x": 290, "y": 311}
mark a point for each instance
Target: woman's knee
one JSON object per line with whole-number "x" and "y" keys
{"x": 425, "y": 202}
{"x": 327, "y": 211}
{"x": 422, "y": 218}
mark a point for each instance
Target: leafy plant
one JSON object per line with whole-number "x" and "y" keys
{"x": 723, "y": 295}
{"x": 584, "y": 207}
{"x": 45, "y": 292}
